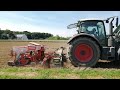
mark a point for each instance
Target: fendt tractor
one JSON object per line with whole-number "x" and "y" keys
{"x": 86, "y": 48}
{"x": 92, "y": 43}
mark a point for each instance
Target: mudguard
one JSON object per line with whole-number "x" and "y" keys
{"x": 84, "y": 35}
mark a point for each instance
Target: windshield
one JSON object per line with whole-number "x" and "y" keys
{"x": 95, "y": 28}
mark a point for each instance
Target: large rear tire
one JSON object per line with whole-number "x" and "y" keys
{"x": 84, "y": 52}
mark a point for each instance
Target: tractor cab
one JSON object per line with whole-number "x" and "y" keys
{"x": 96, "y": 29}
{"x": 92, "y": 27}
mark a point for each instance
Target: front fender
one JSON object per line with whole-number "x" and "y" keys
{"x": 82, "y": 35}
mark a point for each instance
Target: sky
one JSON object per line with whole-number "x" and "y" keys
{"x": 54, "y": 22}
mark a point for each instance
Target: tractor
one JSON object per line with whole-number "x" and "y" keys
{"x": 92, "y": 43}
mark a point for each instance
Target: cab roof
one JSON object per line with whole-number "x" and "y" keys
{"x": 89, "y": 19}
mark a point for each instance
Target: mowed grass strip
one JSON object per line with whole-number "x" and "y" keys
{"x": 57, "y": 73}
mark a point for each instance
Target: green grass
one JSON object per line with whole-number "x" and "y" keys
{"x": 58, "y": 73}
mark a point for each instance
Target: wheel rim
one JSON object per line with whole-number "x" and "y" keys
{"x": 83, "y": 52}
{"x": 23, "y": 61}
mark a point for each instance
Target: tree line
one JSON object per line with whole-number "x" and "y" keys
{"x": 57, "y": 37}
{"x": 8, "y": 34}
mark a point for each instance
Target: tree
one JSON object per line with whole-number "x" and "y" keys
{"x": 1, "y": 33}
{"x": 4, "y": 36}
{"x": 28, "y": 34}
{"x": 12, "y": 35}
{"x": 57, "y": 37}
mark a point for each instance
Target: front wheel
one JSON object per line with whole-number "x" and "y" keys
{"x": 84, "y": 52}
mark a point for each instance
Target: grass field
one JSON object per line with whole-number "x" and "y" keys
{"x": 103, "y": 70}
{"x": 58, "y": 73}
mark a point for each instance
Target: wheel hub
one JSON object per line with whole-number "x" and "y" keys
{"x": 83, "y": 52}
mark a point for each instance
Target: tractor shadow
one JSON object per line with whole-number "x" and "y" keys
{"x": 112, "y": 64}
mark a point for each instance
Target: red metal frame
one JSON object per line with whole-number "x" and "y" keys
{"x": 33, "y": 53}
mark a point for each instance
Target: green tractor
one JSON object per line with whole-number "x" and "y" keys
{"x": 92, "y": 44}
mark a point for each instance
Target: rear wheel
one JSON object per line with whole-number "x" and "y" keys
{"x": 84, "y": 52}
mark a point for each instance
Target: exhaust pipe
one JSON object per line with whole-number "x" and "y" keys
{"x": 110, "y": 39}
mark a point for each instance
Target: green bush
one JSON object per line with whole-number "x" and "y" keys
{"x": 57, "y": 37}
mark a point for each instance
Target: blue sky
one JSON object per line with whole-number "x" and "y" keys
{"x": 54, "y": 22}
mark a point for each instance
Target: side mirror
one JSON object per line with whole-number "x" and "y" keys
{"x": 117, "y": 22}
{"x": 72, "y": 26}
{"x": 78, "y": 31}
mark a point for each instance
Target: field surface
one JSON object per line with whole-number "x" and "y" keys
{"x": 103, "y": 69}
